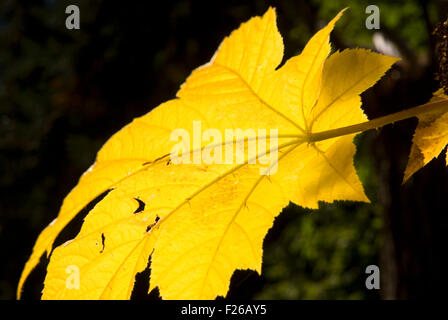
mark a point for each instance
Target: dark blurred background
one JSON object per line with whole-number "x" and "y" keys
{"x": 63, "y": 93}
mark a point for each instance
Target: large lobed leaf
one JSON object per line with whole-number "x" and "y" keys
{"x": 430, "y": 138}
{"x": 201, "y": 222}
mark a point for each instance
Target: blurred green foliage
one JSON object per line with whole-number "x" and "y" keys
{"x": 404, "y": 17}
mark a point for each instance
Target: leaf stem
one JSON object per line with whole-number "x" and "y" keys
{"x": 439, "y": 106}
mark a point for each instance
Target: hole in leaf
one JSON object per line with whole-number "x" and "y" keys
{"x": 152, "y": 225}
{"x": 141, "y": 286}
{"x": 72, "y": 229}
{"x": 141, "y": 206}
{"x": 102, "y": 242}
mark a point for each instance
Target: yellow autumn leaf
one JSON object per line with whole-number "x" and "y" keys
{"x": 198, "y": 222}
{"x": 430, "y": 138}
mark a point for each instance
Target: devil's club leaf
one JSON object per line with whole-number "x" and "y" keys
{"x": 197, "y": 222}
{"x": 430, "y": 138}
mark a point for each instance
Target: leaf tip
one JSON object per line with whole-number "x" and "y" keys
{"x": 340, "y": 13}
{"x": 271, "y": 15}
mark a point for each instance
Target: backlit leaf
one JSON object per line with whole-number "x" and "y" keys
{"x": 430, "y": 138}
{"x": 197, "y": 223}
